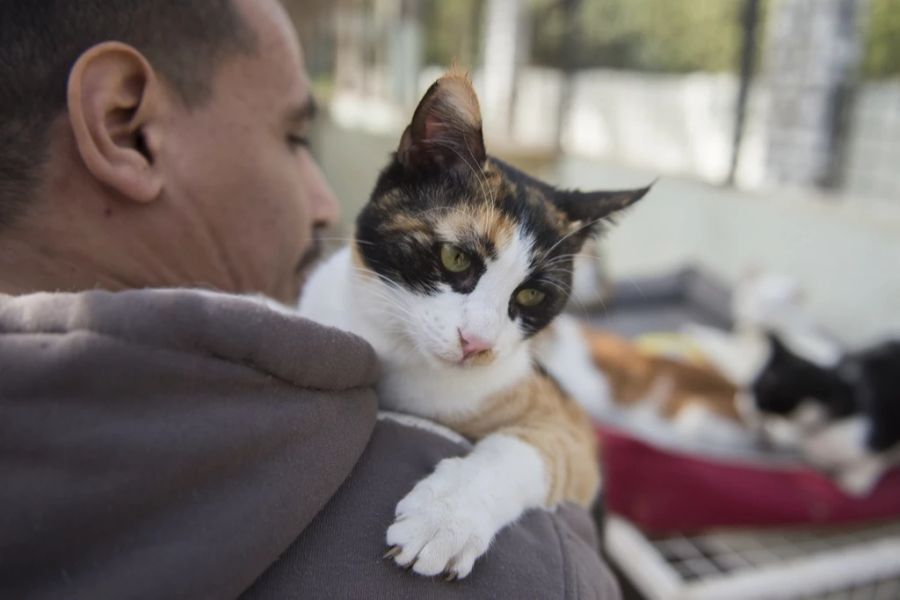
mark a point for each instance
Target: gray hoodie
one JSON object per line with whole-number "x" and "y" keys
{"x": 179, "y": 444}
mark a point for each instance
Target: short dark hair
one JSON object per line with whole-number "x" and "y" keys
{"x": 40, "y": 41}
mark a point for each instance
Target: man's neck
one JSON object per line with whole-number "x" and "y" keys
{"x": 67, "y": 246}
{"x": 34, "y": 267}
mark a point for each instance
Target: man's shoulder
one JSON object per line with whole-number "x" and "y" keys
{"x": 545, "y": 555}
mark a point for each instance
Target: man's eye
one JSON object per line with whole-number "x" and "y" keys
{"x": 297, "y": 141}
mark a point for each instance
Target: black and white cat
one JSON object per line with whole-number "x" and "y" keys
{"x": 843, "y": 419}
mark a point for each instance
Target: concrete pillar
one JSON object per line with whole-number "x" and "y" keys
{"x": 349, "y": 46}
{"x": 406, "y": 53}
{"x": 813, "y": 50}
{"x": 505, "y": 48}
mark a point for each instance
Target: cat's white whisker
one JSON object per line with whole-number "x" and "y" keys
{"x": 479, "y": 175}
{"x": 555, "y": 285}
{"x": 346, "y": 240}
{"x": 571, "y": 233}
{"x": 389, "y": 301}
{"x": 560, "y": 259}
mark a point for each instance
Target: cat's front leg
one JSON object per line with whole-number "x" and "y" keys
{"x": 449, "y": 518}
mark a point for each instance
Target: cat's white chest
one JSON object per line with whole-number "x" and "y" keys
{"x": 415, "y": 386}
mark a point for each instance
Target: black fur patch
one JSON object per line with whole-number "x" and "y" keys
{"x": 878, "y": 392}
{"x": 866, "y": 383}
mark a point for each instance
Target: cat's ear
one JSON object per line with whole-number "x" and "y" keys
{"x": 587, "y": 210}
{"x": 779, "y": 349}
{"x": 446, "y": 127}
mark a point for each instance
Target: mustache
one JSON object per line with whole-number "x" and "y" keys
{"x": 311, "y": 256}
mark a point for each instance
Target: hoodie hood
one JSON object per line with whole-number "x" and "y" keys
{"x": 159, "y": 432}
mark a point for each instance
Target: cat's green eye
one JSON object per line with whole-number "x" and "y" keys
{"x": 530, "y": 297}
{"x": 454, "y": 259}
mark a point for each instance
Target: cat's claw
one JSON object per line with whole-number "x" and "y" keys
{"x": 441, "y": 529}
{"x": 392, "y": 552}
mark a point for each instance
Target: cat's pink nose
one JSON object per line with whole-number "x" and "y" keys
{"x": 472, "y": 345}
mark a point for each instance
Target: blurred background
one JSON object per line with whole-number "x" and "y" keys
{"x": 773, "y": 124}
{"x": 774, "y": 127}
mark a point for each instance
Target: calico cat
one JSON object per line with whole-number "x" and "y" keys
{"x": 844, "y": 419}
{"x": 458, "y": 261}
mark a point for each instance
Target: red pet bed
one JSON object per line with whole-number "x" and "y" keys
{"x": 665, "y": 491}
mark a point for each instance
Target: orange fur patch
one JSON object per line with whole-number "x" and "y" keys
{"x": 484, "y": 220}
{"x": 401, "y": 222}
{"x": 457, "y": 86}
{"x": 539, "y": 413}
{"x": 633, "y": 375}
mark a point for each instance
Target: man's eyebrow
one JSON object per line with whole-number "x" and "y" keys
{"x": 305, "y": 111}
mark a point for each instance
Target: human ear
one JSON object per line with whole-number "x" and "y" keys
{"x": 114, "y": 101}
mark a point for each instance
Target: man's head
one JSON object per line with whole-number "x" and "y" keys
{"x": 155, "y": 143}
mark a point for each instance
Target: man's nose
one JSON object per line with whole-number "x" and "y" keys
{"x": 325, "y": 207}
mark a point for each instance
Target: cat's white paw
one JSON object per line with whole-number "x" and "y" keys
{"x": 441, "y": 526}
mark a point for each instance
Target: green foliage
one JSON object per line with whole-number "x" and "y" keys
{"x": 882, "y": 51}
{"x": 674, "y": 36}
{"x": 453, "y": 31}
{"x": 649, "y": 35}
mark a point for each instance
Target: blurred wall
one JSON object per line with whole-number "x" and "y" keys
{"x": 873, "y": 153}
{"x": 844, "y": 253}
{"x": 351, "y": 161}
